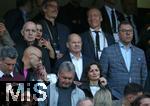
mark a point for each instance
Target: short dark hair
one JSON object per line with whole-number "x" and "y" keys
{"x": 124, "y": 23}
{"x": 44, "y": 3}
{"x": 20, "y": 3}
{"x": 132, "y": 88}
{"x": 8, "y": 51}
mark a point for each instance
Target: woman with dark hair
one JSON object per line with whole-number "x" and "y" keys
{"x": 95, "y": 81}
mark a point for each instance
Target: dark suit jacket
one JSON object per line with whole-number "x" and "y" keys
{"x": 106, "y": 24}
{"x": 14, "y": 22}
{"x": 62, "y": 32}
{"x": 88, "y": 48}
{"x": 86, "y": 61}
{"x": 115, "y": 71}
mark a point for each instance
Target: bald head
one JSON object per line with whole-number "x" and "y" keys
{"x": 32, "y": 57}
{"x": 29, "y": 31}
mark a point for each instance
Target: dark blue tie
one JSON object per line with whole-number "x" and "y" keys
{"x": 113, "y": 21}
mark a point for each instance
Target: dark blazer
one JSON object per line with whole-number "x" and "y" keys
{"x": 106, "y": 24}
{"x": 88, "y": 48}
{"x": 62, "y": 32}
{"x": 86, "y": 88}
{"x": 14, "y": 21}
{"x": 115, "y": 71}
{"x": 86, "y": 61}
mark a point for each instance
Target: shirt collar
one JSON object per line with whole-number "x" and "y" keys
{"x": 92, "y": 30}
{"x": 123, "y": 46}
{"x": 1, "y": 74}
{"x": 73, "y": 57}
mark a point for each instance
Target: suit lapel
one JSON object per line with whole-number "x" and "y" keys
{"x": 133, "y": 58}
{"x": 90, "y": 39}
{"x": 120, "y": 57}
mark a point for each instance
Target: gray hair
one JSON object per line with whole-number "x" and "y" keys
{"x": 84, "y": 99}
{"x": 66, "y": 66}
{"x": 8, "y": 52}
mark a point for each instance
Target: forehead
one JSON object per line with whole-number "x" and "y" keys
{"x": 75, "y": 37}
{"x": 52, "y": 3}
{"x": 30, "y": 25}
{"x": 125, "y": 26}
{"x": 93, "y": 66}
{"x": 39, "y": 26}
{"x": 66, "y": 74}
{"x": 94, "y": 11}
{"x": 9, "y": 60}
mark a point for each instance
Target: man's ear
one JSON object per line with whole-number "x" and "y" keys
{"x": 22, "y": 32}
{"x": 67, "y": 45}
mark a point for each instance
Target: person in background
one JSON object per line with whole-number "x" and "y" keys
{"x": 130, "y": 14}
{"x": 5, "y": 39}
{"x": 131, "y": 92}
{"x": 85, "y": 102}
{"x": 103, "y": 98}
{"x": 123, "y": 63}
{"x": 15, "y": 19}
{"x": 31, "y": 67}
{"x": 8, "y": 60}
{"x": 95, "y": 39}
{"x": 111, "y": 18}
{"x": 143, "y": 100}
{"x": 95, "y": 81}
{"x": 64, "y": 89}
{"x": 53, "y": 31}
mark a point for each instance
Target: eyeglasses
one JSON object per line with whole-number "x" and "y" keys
{"x": 124, "y": 30}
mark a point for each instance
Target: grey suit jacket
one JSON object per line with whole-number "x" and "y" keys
{"x": 114, "y": 68}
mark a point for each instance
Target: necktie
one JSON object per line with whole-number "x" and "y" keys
{"x": 97, "y": 40}
{"x": 113, "y": 21}
{"x": 97, "y": 43}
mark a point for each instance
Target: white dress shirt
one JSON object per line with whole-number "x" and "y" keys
{"x": 1, "y": 74}
{"x": 102, "y": 39}
{"x": 78, "y": 63}
{"x": 126, "y": 53}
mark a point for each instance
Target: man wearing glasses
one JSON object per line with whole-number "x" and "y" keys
{"x": 123, "y": 63}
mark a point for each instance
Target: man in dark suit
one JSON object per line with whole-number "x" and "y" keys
{"x": 111, "y": 18}
{"x": 80, "y": 61}
{"x": 123, "y": 63}
{"x": 89, "y": 38}
{"x": 15, "y": 19}
{"x": 53, "y": 31}
{"x": 8, "y": 57}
